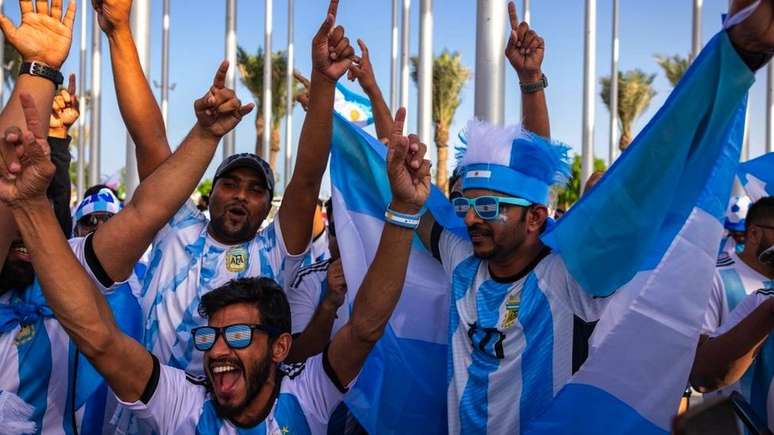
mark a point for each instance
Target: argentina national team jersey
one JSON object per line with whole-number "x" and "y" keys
{"x": 186, "y": 262}
{"x": 306, "y": 291}
{"x": 180, "y": 404}
{"x": 37, "y": 361}
{"x": 511, "y": 343}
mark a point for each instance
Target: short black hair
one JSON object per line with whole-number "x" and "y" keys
{"x": 761, "y": 211}
{"x": 264, "y": 293}
{"x": 96, "y": 188}
{"x": 329, "y": 215}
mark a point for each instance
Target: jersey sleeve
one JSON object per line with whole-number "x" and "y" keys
{"x": 84, "y": 253}
{"x": 303, "y": 294}
{"x": 554, "y": 277}
{"x": 174, "y": 404}
{"x": 743, "y": 310}
{"x": 451, "y": 250}
{"x": 714, "y": 315}
{"x": 283, "y": 264}
{"x": 318, "y": 390}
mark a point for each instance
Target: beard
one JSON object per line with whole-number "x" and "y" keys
{"x": 254, "y": 381}
{"x": 16, "y": 275}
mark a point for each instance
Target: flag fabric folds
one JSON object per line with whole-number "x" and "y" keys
{"x": 757, "y": 176}
{"x": 354, "y": 107}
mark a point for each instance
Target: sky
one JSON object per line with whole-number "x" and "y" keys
{"x": 198, "y": 45}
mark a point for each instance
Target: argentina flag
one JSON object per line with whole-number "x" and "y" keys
{"x": 402, "y": 387}
{"x": 355, "y": 108}
{"x": 650, "y": 229}
{"x": 757, "y": 176}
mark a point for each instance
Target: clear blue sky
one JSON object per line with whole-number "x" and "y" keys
{"x": 197, "y": 45}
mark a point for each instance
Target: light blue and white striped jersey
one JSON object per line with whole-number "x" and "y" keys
{"x": 181, "y": 405}
{"x": 733, "y": 281}
{"x": 318, "y": 250}
{"x": 305, "y": 292}
{"x": 756, "y": 383}
{"x": 186, "y": 262}
{"x": 511, "y": 343}
{"x": 37, "y": 361}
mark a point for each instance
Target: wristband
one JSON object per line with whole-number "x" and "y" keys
{"x": 40, "y": 69}
{"x": 410, "y": 221}
{"x": 530, "y": 88}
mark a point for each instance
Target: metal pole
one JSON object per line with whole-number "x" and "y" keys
{"x": 404, "y": 56}
{"x": 394, "y": 78}
{"x": 165, "y": 62}
{"x": 231, "y": 11}
{"x": 425, "y": 72}
{"x": 527, "y": 11}
{"x": 96, "y": 101}
{"x": 490, "y": 64}
{"x": 140, "y": 20}
{"x": 289, "y": 98}
{"x": 81, "y": 172}
{"x": 589, "y": 82}
{"x": 746, "y": 136}
{"x": 267, "y": 22}
{"x": 614, "y": 89}
{"x": 770, "y": 108}
{"x": 696, "y": 34}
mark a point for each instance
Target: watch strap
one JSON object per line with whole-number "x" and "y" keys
{"x": 40, "y": 69}
{"x": 529, "y": 88}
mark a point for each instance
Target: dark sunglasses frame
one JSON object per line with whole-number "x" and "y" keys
{"x": 269, "y": 330}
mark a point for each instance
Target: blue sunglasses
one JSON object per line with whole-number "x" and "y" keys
{"x": 237, "y": 336}
{"x": 486, "y": 207}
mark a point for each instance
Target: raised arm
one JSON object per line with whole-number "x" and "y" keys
{"x": 525, "y": 51}
{"x": 363, "y": 71}
{"x": 64, "y": 113}
{"x": 76, "y": 302}
{"x": 43, "y": 36}
{"x": 379, "y": 294}
{"x": 139, "y": 109}
{"x": 331, "y": 57}
{"x": 120, "y": 242}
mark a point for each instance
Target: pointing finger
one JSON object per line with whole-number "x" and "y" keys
{"x": 71, "y": 84}
{"x": 219, "y": 81}
{"x": 513, "y": 16}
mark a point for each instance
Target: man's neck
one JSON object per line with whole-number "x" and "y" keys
{"x": 261, "y": 405}
{"x": 222, "y": 240}
{"x": 750, "y": 259}
{"x": 516, "y": 262}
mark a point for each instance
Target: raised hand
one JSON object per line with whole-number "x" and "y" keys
{"x": 525, "y": 49}
{"x": 44, "y": 34}
{"x": 362, "y": 70}
{"x": 219, "y": 111}
{"x": 408, "y": 170}
{"x": 26, "y": 173}
{"x": 755, "y": 33}
{"x": 64, "y": 111}
{"x": 113, "y": 14}
{"x": 331, "y": 52}
{"x": 337, "y": 285}
{"x": 302, "y": 96}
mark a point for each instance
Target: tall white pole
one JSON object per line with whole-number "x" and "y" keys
{"x": 140, "y": 20}
{"x": 394, "y": 77}
{"x": 527, "y": 11}
{"x": 746, "y": 136}
{"x": 770, "y": 108}
{"x": 614, "y": 89}
{"x": 165, "y": 62}
{"x": 490, "y": 64}
{"x": 231, "y": 44}
{"x": 589, "y": 90}
{"x": 81, "y": 172}
{"x": 404, "y": 55}
{"x": 267, "y": 23}
{"x": 96, "y": 101}
{"x": 425, "y": 72}
{"x": 696, "y": 31}
{"x": 289, "y": 97}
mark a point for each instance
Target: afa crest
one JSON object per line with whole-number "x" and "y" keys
{"x": 24, "y": 335}
{"x": 237, "y": 259}
{"x": 511, "y": 311}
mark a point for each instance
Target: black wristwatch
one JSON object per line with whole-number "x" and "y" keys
{"x": 529, "y": 88}
{"x": 40, "y": 69}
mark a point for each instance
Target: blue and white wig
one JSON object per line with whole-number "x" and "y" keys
{"x": 102, "y": 201}
{"x": 513, "y": 161}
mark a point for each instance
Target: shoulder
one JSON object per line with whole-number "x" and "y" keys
{"x": 724, "y": 260}
{"x": 310, "y": 272}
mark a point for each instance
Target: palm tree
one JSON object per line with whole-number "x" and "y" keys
{"x": 674, "y": 67}
{"x": 251, "y": 73}
{"x": 449, "y": 76}
{"x": 568, "y": 195}
{"x": 635, "y": 91}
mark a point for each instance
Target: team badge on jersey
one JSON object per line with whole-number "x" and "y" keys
{"x": 237, "y": 259}
{"x": 24, "y": 335}
{"x": 511, "y": 311}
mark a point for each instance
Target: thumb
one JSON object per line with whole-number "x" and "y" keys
{"x": 9, "y": 30}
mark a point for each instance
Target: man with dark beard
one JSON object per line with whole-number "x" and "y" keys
{"x": 248, "y": 320}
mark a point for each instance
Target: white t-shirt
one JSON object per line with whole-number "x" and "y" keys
{"x": 181, "y": 404}
{"x": 511, "y": 343}
{"x": 306, "y": 291}
{"x": 733, "y": 281}
{"x": 185, "y": 264}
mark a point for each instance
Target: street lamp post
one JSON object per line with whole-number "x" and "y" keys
{"x": 589, "y": 88}
{"x": 490, "y": 72}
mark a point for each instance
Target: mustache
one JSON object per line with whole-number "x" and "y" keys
{"x": 479, "y": 229}
{"x": 233, "y": 361}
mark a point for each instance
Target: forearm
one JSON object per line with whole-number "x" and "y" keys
{"x": 138, "y": 107}
{"x": 120, "y": 242}
{"x": 7, "y": 231}
{"x": 316, "y": 335}
{"x": 42, "y": 92}
{"x": 535, "y": 112}
{"x": 382, "y": 115}
{"x": 60, "y": 187}
{"x": 722, "y": 360}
